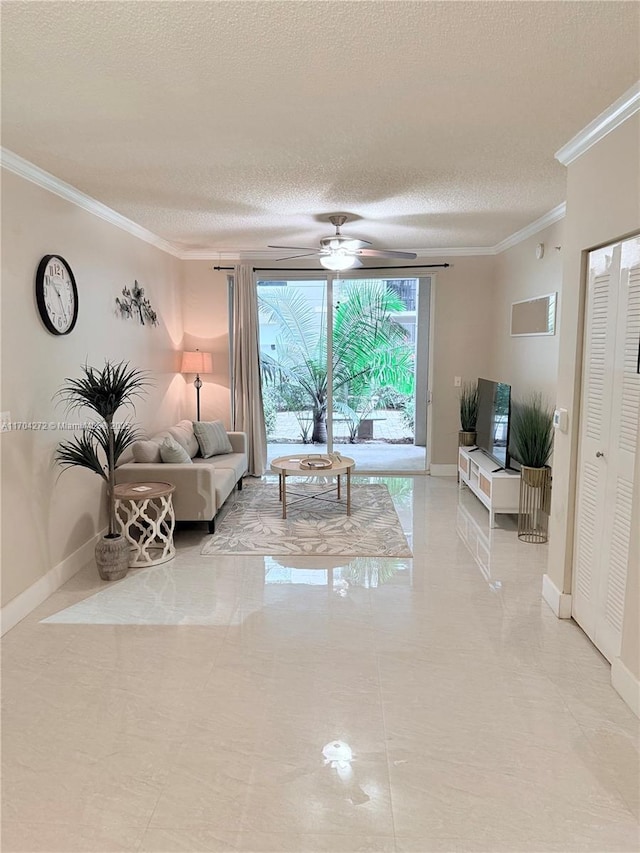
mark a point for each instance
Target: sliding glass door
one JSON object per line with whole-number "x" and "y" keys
{"x": 341, "y": 361}
{"x": 293, "y": 350}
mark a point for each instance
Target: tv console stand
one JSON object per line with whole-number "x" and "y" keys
{"x": 498, "y": 489}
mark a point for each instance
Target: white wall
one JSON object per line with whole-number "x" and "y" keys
{"x": 463, "y": 333}
{"x": 46, "y": 516}
{"x": 206, "y": 326}
{"x": 530, "y": 363}
{"x": 603, "y": 205}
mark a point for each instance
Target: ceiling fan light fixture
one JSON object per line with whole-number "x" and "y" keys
{"x": 338, "y": 261}
{"x": 339, "y": 252}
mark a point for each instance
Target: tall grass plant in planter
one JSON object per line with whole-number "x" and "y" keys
{"x": 531, "y": 445}
{"x": 468, "y": 414}
{"x": 102, "y": 441}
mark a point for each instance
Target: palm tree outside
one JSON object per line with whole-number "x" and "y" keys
{"x": 372, "y": 359}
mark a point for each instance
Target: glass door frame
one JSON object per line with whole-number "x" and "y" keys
{"x": 426, "y": 281}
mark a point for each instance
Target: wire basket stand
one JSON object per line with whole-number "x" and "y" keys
{"x": 534, "y": 505}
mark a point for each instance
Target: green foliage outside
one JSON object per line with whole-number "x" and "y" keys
{"x": 269, "y": 406}
{"x": 370, "y": 351}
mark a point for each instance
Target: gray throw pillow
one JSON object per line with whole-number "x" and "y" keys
{"x": 146, "y": 451}
{"x": 171, "y": 451}
{"x": 212, "y": 438}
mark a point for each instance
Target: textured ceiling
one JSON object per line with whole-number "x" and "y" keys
{"x": 231, "y": 125}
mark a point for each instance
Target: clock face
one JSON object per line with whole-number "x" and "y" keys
{"x": 57, "y": 295}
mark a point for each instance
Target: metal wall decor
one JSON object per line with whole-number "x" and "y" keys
{"x": 135, "y": 306}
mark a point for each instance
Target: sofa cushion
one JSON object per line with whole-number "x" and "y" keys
{"x": 236, "y": 462}
{"x": 173, "y": 451}
{"x": 212, "y": 438}
{"x": 146, "y": 451}
{"x": 184, "y": 435}
{"x": 225, "y": 481}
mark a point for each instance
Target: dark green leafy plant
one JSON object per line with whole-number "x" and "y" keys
{"x": 469, "y": 406}
{"x": 531, "y": 440}
{"x": 102, "y": 442}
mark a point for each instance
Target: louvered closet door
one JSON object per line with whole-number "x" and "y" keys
{"x": 595, "y": 423}
{"x": 608, "y": 430}
{"x": 620, "y": 460}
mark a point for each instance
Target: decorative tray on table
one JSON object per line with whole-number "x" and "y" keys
{"x": 316, "y": 462}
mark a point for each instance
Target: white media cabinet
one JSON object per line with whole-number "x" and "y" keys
{"x": 499, "y": 490}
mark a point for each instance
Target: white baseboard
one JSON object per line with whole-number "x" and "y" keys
{"x": 22, "y": 605}
{"x": 559, "y": 602}
{"x": 626, "y": 684}
{"x": 443, "y": 470}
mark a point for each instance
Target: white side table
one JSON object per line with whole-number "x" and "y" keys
{"x": 145, "y": 514}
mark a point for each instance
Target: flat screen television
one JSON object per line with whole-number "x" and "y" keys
{"x": 494, "y": 414}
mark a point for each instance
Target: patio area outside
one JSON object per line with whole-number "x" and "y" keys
{"x": 391, "y": 448}
{"x": 387, "y": 425}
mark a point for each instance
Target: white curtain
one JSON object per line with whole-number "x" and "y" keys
{"x": 247, "y": 385}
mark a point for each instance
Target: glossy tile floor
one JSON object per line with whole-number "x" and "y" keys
{"x": 257, "y": 704}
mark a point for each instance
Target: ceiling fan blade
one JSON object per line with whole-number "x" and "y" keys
{"x": 382, "y": 253}
{"x": 298, "y": 248}
{"x": 291, "y": 257}
{"x": 356, "y": 244}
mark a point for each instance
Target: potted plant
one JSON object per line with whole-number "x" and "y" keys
{"x": 468, "y": 414}
{"x": 531, "y": 443}
{"x": 532, "y": 436}
{"x": 101, "y": 443}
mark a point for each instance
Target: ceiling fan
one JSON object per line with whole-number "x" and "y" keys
{"x": 339, "y": 252}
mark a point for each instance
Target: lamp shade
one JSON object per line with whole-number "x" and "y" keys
{"x": 196, "y": 362}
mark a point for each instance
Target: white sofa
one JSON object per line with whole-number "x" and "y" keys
{"x": 202, "y": 485}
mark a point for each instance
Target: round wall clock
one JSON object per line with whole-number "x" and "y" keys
{"x": 57, "y": 295}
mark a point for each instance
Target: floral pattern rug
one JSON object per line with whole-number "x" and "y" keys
{"x": 253, "y": 523}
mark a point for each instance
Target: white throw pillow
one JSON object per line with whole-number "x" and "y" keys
{"x": 212, "y": 438}
{"x": 183, "y": 434}
{"x": 172, "y": 451}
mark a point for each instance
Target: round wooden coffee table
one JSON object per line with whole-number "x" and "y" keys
{"x": 287, "y": 466}
{"x": 145, "y": 514}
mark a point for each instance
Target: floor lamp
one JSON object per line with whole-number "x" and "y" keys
{"x": 197, "y": 362}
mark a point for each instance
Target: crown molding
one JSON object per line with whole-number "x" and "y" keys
{"x": 222, "y": 256}
{"x": 237, "y": 256}
{"x": 612, "y": 117}
{"x": 19, "y": 166}
{"x": 455, "y": 252}
{"x": 30, "y": 172}
{"x": 273, "y": 254}
{"x": 545, "y": 221}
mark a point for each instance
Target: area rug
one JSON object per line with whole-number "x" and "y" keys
{"x": 253, "y": 524}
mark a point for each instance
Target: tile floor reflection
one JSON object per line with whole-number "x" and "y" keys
{"x": 269, "y": 704}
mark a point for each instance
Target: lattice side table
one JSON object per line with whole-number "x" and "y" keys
{"x": 145, "y": 514}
